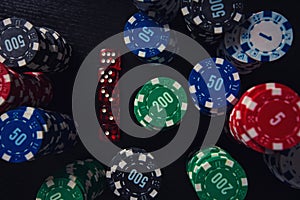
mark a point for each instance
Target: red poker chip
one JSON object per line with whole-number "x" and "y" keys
{"x": 28, "y": 89}
{"x": 271, "y": 116}
{"x": 232, "y": 128}
{"x": 5, "y": 87}
{"x": 32, "y": 88}
{"x": 19, "y": 87}
{"x": 11, "y": 89}
{"x": 243, "y": 135}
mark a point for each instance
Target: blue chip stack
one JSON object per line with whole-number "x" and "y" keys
{"x": 163, "y": 11}
{"x": 27, "y": 133}
{"x": 150, "y": 40}
{"x": 231, "y": 50}
{"x": 265, "y": 36}
{"x": 214, "y": 85}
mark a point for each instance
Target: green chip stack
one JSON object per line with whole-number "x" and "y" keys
{"x": 214, "y": 174}
{"x": 80, "y": 180}
{"x": 160, "y": 103}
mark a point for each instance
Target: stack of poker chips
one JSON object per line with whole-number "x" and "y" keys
{"x": 27, "y": 133}
{"x": 108, "y": 94}
{"x": 161, "y": 10}
{"x": 38, "y": 48}
{"x": 267, "y": 118}
{"x": 212, "y": 171}
{"x": 231, "y": 50}
{"x": 134, "y": 174}
{"x": 150, "y": 40}
{"x": 264, "y": 37}
{"x": 23, "y": 89}
{"x": 285, "y": 166}
{"x": 80, "y": 180}
{"x": 160, "y": 103}
{"x": 207, "y": 20}
{"x": 214, "y": 85}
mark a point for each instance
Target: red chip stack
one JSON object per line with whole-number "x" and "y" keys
{"x": 23, "y": 89}
{"x": 267, "y": 118}
{"x": 108, "y": 94}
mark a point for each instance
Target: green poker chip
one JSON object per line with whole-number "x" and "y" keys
{"x": 200, "y": 157}
{"x": 160, "y": 103}
{"x": 221, "y": 178}
{"x": 88, "y": 175}
{"x": 96, "y": 176}
{"x": 60, "y": 188}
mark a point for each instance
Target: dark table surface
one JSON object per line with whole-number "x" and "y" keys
{"x": 87, "y": 23}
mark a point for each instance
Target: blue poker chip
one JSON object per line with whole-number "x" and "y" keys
{"x": 266, "y": 36}
{"x": 214, "y": 84}
{"x": 145, "y": 37}
{"x": 21, "y": 135}
{"x": 44, "y": 120}
{"x": 233, "y": 46}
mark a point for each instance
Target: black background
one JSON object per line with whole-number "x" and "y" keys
{"x": 85, "y": 24}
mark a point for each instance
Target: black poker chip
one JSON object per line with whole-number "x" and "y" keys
{"x": 134, "y": 175}
{"x": 32, "y": 48}
{"x": 19, "y": 42}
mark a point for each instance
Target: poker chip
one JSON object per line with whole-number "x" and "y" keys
{"x": 240, "y": 134}
{"x": 211, "y": 170}
{"x": 135, "y": 175}
{"x": 199, "y": 156}
{"x": 27, "y": 133}
{"x": 108, "y": 94}
{"x": 266, "y": 118}
{"x": 214, "y": 84}
{"x": 284, "y": 165}
{"x": 58, "y": 53}
{"x": 88, "y": 174}
{"x": 21, "y": 135}
{"x": 231, "y": 50}
{"x": 11, "y": 90}
{"x": 19, "y": 42}
{"x": 163, "y": 11}
{"x": 23, "y": 89}
{"x": 160, "y": 103}
{"x": 23, "y": 45}
{"x": 148, "y": 39}
{"x": 208, "y": 20}
{"x": 60, "y": 188}
{"x": 266, "y": 36}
